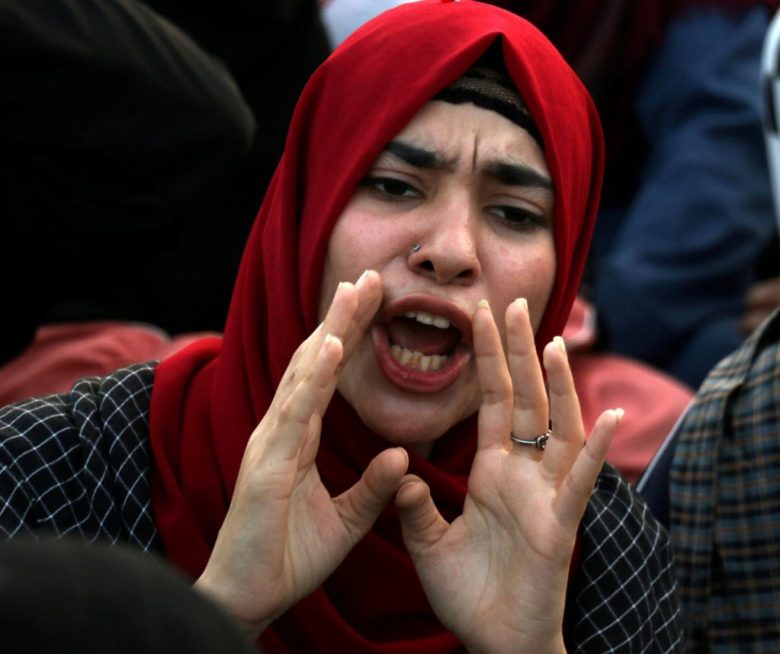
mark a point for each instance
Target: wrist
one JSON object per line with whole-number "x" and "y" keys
{"x": 225, "y": 601}
{"x": 551, "y": 646}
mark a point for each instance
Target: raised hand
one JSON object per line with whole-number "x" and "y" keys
{"x": 497, "y": 575}
{"x": 284, "y": 534}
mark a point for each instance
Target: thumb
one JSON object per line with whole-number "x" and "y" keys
{"x": 360, "y": 506}
{"x": 421, "y": 521}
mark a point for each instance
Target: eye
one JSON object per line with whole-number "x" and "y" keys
{"x": 517, "y": 218}
{"x": 389, "y": 188}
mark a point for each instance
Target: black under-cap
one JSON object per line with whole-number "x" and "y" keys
{"x": 487, "y": 84}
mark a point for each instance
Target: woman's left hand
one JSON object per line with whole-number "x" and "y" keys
{"x": 497, "y": 575}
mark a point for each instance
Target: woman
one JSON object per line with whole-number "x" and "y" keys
{"x": 464, "y": 211}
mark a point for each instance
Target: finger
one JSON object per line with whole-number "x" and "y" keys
{"x": 421, "y": 522}
{"x": 339, "y": 314}
{"x": 566, "y": 417}
{"x": 360, "y": 506}
{"x": 530, "y": 412}
{"x": 495, "y": 412}
{"x": 305, "y": 405}
{"x": 579, "y": 483}
{"x": 369, "y": 297}
{"x": 350, "y": 311}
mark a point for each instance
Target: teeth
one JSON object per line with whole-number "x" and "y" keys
{"x": 414, "y": 359}
{"x": 428, "y": 319}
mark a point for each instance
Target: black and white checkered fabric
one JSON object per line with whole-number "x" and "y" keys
{"x": 78, "y": 464}
{"x": 625, "y": 595}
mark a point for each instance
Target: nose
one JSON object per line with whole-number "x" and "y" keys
{"x": 448, "y": 251}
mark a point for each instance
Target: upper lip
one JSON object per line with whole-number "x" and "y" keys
{"x": 433, "y": 304}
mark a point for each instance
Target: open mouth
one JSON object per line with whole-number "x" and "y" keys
{"x": 421, "y": 340}
{"x": 423, "y": 343}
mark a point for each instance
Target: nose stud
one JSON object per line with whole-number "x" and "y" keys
{"x": 415, "y": 248}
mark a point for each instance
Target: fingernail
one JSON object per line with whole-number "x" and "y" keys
{"x": 483, "y": 303}
{"x": 523, "y": 303}
{"x": 619, "y": 415}
{"x": 362, "y": 278}
{"x": 330, "y": 339}
{"x": 560, "y": 343}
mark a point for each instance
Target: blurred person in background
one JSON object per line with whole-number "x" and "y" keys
{"x": 139, "y": 139}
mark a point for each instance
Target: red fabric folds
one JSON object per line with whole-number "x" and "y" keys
{"x": 207, "y": 400}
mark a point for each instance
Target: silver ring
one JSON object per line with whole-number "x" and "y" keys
{"x": 415, "y": 248}
{"x": 539, "y": 442}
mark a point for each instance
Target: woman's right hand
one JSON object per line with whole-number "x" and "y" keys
{"x": 283, "y": 534}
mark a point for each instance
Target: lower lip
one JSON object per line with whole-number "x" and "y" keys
{"x": 413, "y": 379}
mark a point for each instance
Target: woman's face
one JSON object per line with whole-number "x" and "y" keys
{"x": 473, "y": 189}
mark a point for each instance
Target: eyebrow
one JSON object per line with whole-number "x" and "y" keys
{"x": 506, "y": 173}
{"x": 518, "y": 175}
{"x": 419, "y": 157}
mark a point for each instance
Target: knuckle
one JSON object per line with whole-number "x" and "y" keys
{"x": 287, "y": 413}
{"x": 284, "y": 414}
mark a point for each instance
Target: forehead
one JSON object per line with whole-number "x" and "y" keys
{"x": 464, "y": 132}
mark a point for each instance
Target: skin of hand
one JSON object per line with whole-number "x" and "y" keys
{"x": 761, "y": 300}
{"x": 283, "y": 533}
{"x": 497, "y": 575}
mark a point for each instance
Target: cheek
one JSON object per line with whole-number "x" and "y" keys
{"x": 328, "y": 288}
{"x": 538, "y": 302}
{"x": 331, "y": 274}
{"x": 530, "y": 276}
{"x": 346, "y": 257}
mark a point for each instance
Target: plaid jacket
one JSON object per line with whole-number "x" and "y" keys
{"x": 79, "y": 463}
{"x": 725, "y": 502}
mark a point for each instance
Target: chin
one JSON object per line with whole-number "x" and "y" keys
{"x": 400, "y": 416}
{"x": 414, "y": 423}
{"x": 396, "y": 434}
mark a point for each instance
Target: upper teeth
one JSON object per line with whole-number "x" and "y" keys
{"x": 428, "y": 319}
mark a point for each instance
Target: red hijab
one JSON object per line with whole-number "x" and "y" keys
{"x": 207, "y": 399}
